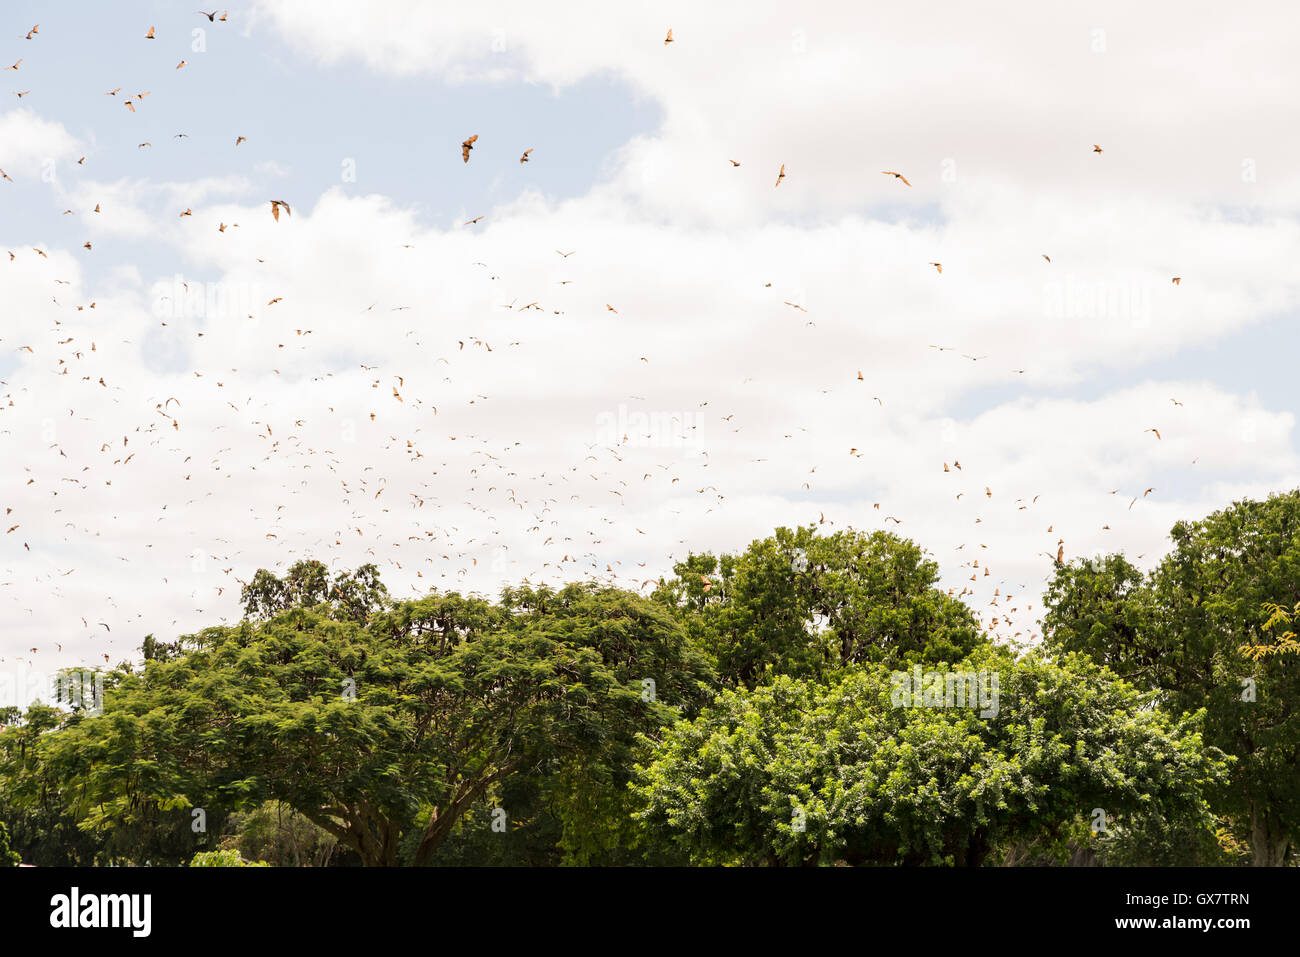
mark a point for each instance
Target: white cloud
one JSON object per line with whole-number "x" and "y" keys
{"x": 31, "y": 146}
{"x": 840, "y": 91}
{"x": 248, "y": 424}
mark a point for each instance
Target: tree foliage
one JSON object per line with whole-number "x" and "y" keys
{"x": 1189, "y": 629}
{"x": 375, "y": 719}
{"x": 803, "y": 604}
{"x": 745, "y": 713}
{"x": 800, "y": 773}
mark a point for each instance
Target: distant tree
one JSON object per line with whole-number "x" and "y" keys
{"x": 353, "y": 595}
{"x": 282, "y": 837}
{"x": 154, "y": 650}
{"x": 804, "y": 604}
{"x": 1103, "y": 607}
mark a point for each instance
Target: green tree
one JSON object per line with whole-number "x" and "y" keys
{"x": 8, "y": 856}
{"x": 647, "y": 650}
{"x": 354, "y": 595}
{"x": 280, "y": 836}
{"x": 381, "y": 723}
{"x": 56, "y": 821}
{"x": 1102, "y": 607}
{"x": 804, "y": 604}
{"x": 801, "y": 773}
{"x": 1189, "y": 631}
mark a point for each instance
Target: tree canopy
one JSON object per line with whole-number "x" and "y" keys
{"x": 1189, "y": 630}
{"x": 375, "y": 719}
{"x": 798, "y": 773}
{"x": 799, "y": 603}
{"x": 814, "y": 699}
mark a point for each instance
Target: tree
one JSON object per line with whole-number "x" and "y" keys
{"x": 647, "y": 650}
{"x": 1103, "y": 608}
{"x": 353, "y": 595}
{"x": 800, "y": 773}
{"x": 8, "y": 856}
{"x": 57, "y": 821}
{"x": 379, "y": 721}
{"x": 281, "y": 837}
{"x": 1189, "y": 630}
{"x": 803, "y": 604}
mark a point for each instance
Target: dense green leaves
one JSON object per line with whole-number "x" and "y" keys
{"x": 1187, "y": 631}
{"x": 375, "y": 721}
{"x": 750, "y": 711}
{"x": 797, "y": 772}
{"x": 8, "y": 856}
{"x": 799, "y": 603}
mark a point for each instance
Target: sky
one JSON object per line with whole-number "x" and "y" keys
{"x": 642, "y": 349}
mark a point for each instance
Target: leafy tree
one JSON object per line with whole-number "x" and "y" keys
{"x": 280, "y": 836}
{"x": 8, "y": 856}
{"x": 354, "y": 595}
{"x": 804, "y": 604}
{"x": 1102, "y": 607}
{"x": 376, "y": 720}
{"x": 152, "y": 649}
{"x": 56, "y": 820}
{"x": 1190, "y": 630}
{"x": 800, "y": 773}
{"x": 1173, "y": 843}
{"x": 579, "y": 811}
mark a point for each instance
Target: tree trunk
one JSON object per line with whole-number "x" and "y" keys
{"x": 355, "y": 832}
{"x": 442, "y": 819}
{"x": 1269, "y": 844}
{"x": 974, "y": 853}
